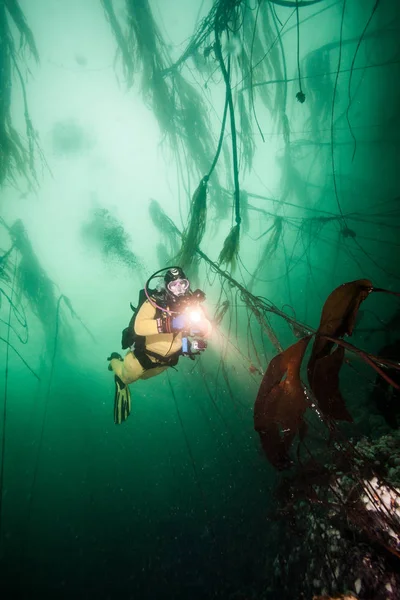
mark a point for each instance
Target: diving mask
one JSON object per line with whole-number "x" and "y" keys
{"x": 178, "y": 287}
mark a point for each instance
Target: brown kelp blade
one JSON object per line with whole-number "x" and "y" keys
{"x": 280, "y": 405}
{"x": 324, "y": 382}
{"x": 339, "y": 314}
{"x": 337, "y": 319}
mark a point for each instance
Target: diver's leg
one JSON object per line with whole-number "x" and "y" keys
{"x": 152, "y": 372}
{"x": 126, "y": 371}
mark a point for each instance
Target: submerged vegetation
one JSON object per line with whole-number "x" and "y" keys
{"x": 179, "y": 106}
{"x": 26, "y": 293}
{"x": 107, "y": 234}
{"x": 290, "y": 222}
{"x": 17, "y": 156}
{"x": 25, "y": 281}
{"x": 240, "y": 45}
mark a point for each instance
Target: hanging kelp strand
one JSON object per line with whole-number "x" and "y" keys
{"x": 272, "y": 245}
{"x": 33, "y": 284}
{"x": 171, "y": 235}
{"x": 106, "y": 233}
{"x": 119, "y": 36}
{"x": 15, "y": 157}
{"x": 231, "y": 244}
{"x": 177, "y": 105}
{"x": 300, "y": 96}
{"x": 230, "y": 249}
{"x": 197, "y": 225}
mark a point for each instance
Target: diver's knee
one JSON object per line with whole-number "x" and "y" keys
{"x": 117, "y": 367}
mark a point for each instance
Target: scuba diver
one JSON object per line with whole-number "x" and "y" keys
{"x": 158, "y": 334}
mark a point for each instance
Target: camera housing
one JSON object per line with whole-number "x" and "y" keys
{"x": 198, "y": 345}
{"x": 190, "y": 347}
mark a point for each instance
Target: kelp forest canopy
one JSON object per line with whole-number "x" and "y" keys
{"x": 278, "y": 125}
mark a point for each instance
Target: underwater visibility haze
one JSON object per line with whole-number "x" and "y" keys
{"x": 239, "y": 157}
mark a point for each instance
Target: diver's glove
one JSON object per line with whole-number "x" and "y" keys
{"x": 178, "y": 323}
{"x": 171, "y": 324}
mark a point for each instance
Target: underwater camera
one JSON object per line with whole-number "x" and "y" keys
{"x": 198, "y": 345}
{"x": 195, "y": 346}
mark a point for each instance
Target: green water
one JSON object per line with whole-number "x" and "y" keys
{"x": 95, "y": 138}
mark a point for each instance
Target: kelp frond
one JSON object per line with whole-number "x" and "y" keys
{"x": 127, "y": 60}
{"x": 18, "y": 17}
{"x": 168, "y": 230}
{"x": 32, "y": 281}
{"x": 275, "y": 237}
{"x": 163, "y": 223}
{"x": 33, "y": 285}
{"x": 230, "y": 250}
{"x": 193, "y": 235}
{"x": 108, "y": 234}
{"x": 177, "y": 105}
{"x": 15, "y": 157}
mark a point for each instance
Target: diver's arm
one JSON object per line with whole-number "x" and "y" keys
{"x": 145, "y": 322}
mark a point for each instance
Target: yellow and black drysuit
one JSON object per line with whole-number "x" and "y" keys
{"x": 153, "y": 352}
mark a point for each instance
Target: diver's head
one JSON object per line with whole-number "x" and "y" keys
{"x": 176, "y": 284}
